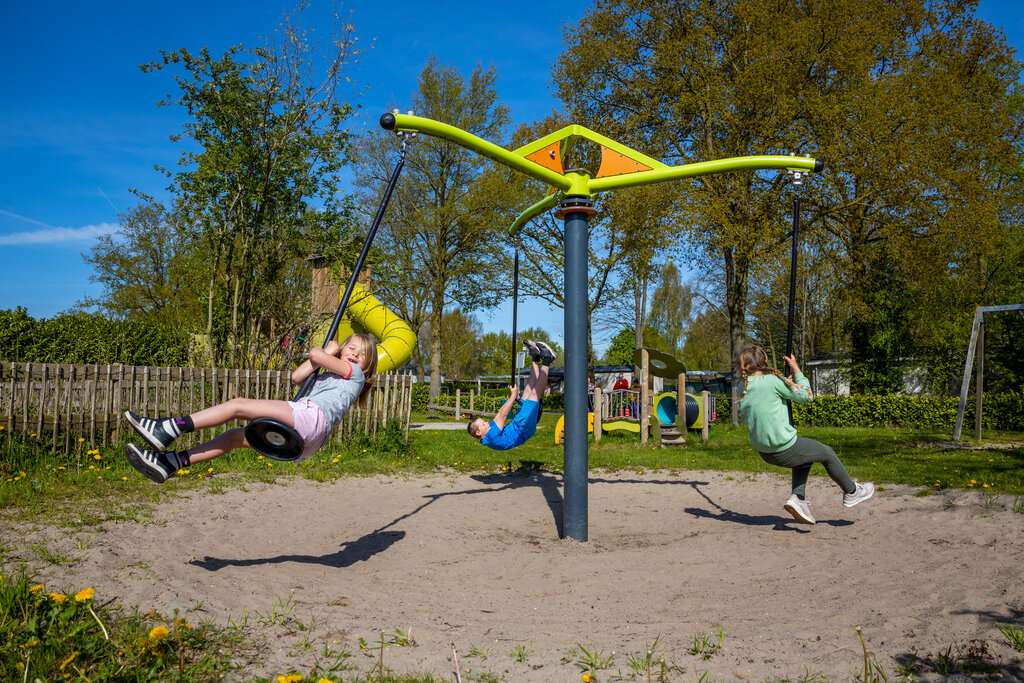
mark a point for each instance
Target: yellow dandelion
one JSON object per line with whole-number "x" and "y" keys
{"x": 58, "y": 597}
{"x": 586, "y": 678}
{"x": 974, "y": 481}
{"x": 291, "y": 678}
{"x": 61, "y": 467}
{"x": 124, "y": 478}
{"x": 85, "y": 594}
{"x": 92, "y": 467}
{"x": 159, "y": 633}
{"x": 36, "y": 588}
{"x": 209, "y": 469}
{"x": 68, "y": 660}
{"x": 259, "y": 457}
{"x": 985, "y": 486}
{"x": 325, "y": 680}
{"x": 81, "y": 439}
{"x": 34, "y": 435}
{"x": 97, "y": 457}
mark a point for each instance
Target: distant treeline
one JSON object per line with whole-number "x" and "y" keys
{"x": 90, "y": 338}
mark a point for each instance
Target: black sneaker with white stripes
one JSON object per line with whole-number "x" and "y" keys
{"x": 157, "y": 466}
{"x": 159, "y": 433}
{"x": 546, "y": 352}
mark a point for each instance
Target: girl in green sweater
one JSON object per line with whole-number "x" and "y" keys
{"x": 763, "y": 410}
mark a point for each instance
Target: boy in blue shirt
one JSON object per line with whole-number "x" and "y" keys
{"x": 501, "y": 436}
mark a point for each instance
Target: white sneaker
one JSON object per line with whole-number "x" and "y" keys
{"x": 800, "y": 509}
{"x": 863, "y": 492}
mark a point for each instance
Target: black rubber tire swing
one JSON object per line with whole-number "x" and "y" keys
{"x": 273, "y": 438}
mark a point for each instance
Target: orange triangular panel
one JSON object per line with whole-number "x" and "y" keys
{"x": 549, "y": 157}
{"x": 616, "y": 163}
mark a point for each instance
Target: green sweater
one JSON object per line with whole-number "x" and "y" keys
{"x": 763, "y": 410}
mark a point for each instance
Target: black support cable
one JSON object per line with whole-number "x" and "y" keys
{"x": 354, "y": 276}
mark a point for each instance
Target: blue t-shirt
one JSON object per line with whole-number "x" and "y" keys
{"x": 517, "y": 431}
{"x": 336, "y": 394}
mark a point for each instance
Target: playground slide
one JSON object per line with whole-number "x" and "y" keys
{"x": 367, "y": 314}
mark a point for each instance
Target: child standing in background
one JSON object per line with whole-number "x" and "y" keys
{"x": 763, "y": 410}
{"x": 350, "y": 369}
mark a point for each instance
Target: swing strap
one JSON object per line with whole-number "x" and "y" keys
{"x": 353, "y": 277}
{"x": 515, "y": 310}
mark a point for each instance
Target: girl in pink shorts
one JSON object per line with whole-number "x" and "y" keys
{"x": 349, "y": 371}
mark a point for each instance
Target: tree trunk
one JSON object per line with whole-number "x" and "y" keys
{"x": 435, "y": 345}
{"x": 736, "y": 280}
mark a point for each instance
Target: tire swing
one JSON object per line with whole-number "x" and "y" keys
{"x": 273, "y": 438}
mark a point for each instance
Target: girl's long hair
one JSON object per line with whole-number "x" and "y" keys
{"x": 754, "y": 359}
{"x": 369, "y": 349}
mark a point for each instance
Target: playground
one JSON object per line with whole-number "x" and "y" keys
{"x": 705, "y": 564}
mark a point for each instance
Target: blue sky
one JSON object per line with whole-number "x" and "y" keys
{"x": 78, "y": 124}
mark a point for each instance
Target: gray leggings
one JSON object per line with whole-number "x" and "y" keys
{"x": 805, "y": 452}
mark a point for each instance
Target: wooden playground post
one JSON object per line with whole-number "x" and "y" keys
{"x": 645, "y": 393}
{"x": 681, "y": 425}
{"x": 705, "y": 399}
{"x": 598, "y": 414}
{"x": 458, "y": 404}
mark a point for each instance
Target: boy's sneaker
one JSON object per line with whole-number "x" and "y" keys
{"x": 157, "y": 466}
{"x": 531, "y": 346}
{"x": 863, "y": 492}
{"x": 800, "y": 509}
{"x": 546, "y": 353}
{"x": 159, "y": 433}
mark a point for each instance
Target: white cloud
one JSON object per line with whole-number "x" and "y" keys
{"x": 70, "y": 237}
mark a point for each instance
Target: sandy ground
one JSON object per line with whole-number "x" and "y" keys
{"x": 478, "y": 561}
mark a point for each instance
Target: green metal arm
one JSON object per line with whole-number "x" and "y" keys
{"x": 549, "y": 202}
{"x": 472, "y": 142}
{"x": 580, "y": 184}
{"x": 706, "y": 168}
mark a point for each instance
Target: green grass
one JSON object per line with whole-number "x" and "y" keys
{"x": 88, "y": 486}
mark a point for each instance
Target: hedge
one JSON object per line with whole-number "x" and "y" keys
{"x": 1000, "y": 411}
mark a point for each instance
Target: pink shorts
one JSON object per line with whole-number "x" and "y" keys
{"x": 310, "y": 424}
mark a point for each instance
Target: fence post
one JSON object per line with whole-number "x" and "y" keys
{"x": 458, "y": 403}
{"x": 704, "y": 399}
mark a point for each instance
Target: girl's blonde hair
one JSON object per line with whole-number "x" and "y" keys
{"x": 754, "y": 359}
{"x": 368, "y": 346}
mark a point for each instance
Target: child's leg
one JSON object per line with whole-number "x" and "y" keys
{"x": 805, "y": 452}
{"x": 242, "y": 409}
{"x": 531, "y": 391}
{"x": 218, "y": 446}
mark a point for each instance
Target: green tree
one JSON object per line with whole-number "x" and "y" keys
{"x": 909, "y": 171}
{"x": 267, "y": 141}
{"x": 911, "y": 103}
{"x": 670, "y": 309}
{"x": 692, "y": 81}
{"x": 439, "y": 237}
{"x": 460, "y": 338}
{"x": 147, "y": 269}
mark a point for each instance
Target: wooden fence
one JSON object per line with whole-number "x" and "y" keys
{"x": 63, "y": 403}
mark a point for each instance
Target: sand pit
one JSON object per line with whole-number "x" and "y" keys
{"x": 477, "y": 561}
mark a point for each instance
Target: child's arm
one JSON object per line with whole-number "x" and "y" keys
{"x": 326, "y": 358}
{"x": 798, "y": 388}
{"x": 506, "y": 408}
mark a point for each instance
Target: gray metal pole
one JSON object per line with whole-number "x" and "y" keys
{"x": 576, "y": 361}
